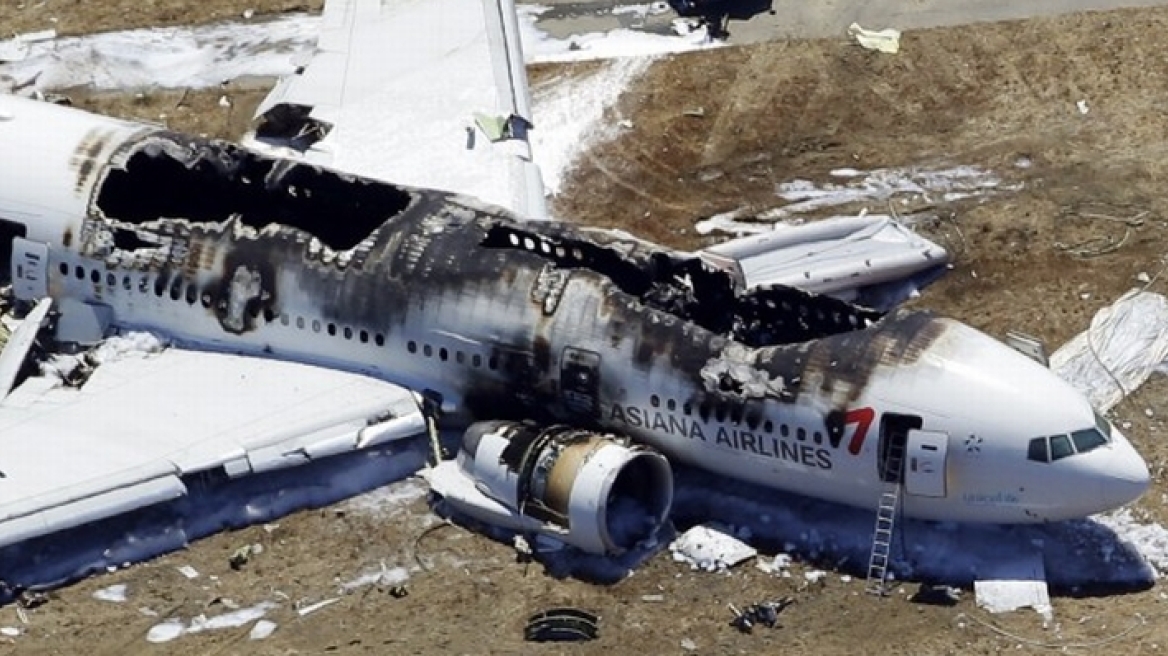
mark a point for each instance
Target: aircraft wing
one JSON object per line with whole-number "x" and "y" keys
{"x": 428, "y": 93}
{"x": 870, "y": 259}
{"x": 71, "y": 454}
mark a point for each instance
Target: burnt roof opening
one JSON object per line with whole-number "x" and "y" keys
{"x": 690, "y": 289}
{"x": 209, "y": 181}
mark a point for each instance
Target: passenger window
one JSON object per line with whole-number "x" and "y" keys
{"x": 1060, "y": 447}
{"x": 1038, "y": 450}
{"x": 1086, "y": 440}
{"x": 800, "y": 434}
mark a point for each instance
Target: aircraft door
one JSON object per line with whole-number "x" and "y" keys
{"x": 30, "y": 275}
{"x": 580, "y": 381}
{"x": 924, "y": 471}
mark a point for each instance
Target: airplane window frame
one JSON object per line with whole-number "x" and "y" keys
{"x": 1032, "y": 452}
{"x": 1061, "y": 438}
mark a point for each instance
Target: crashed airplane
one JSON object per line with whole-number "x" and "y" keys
{"x": 594, "y": 357}
{"x": 576, "y": 363}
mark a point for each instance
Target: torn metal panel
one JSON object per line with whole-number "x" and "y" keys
{"x": 853, "y": 257}
{"x": 19, "y": 343}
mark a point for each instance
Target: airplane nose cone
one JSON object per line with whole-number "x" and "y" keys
{"x": 1125, "y": 474}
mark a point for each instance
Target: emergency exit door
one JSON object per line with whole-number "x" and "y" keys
{"x": 925, "y": 459}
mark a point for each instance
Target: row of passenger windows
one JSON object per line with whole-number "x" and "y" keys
{"x": 515, "y": 363}
{"x": 1057, "y": 447}
{"x": 177, "y": 289}
{"x": 734, "y": 412}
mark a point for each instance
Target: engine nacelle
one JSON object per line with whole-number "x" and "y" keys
{"x": 597, "y": 492}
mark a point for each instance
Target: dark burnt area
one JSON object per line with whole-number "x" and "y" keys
{"x": 688, "y": 288}
{"x": 168, "y": 176}
{"x": 848, "y": 361}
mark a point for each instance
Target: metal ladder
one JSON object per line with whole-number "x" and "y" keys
{"x": 885, "y": 521}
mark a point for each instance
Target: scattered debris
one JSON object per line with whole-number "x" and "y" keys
{"x": 242, "y": 555}
{"x": 188, "y": 571}
{"x": 1119, "y": 351}
{"x": 9, "y": 631}
{"x": 777, "y": 565}
{"x": 262, "y": 629}
{"x": 174, "y": 627}
{"x": 696, "y": 112}
{"x": 653, "y": 597}
{"x": 765, "y": 613}
{"x": 562, "y": 625}
{"x": 886, "y": 41}
{"x": 688, "y": 645}
{"x": 936, "y": 595}
{"x": 1081, "y": 105}
{"x": 30, "y": 599}
{"x": 710, "y": 547}
{"x": 1015, "y": 584}
{"x": 815, "y": 575}
{"x": 399, "y": 591}
{"x": 114, "y": 593}
{"x": 312, "y": 608}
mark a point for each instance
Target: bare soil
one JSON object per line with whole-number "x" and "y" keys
{"x": 987, "y": 95}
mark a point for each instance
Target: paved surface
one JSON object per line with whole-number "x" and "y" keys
{"x": 753, "y": 21}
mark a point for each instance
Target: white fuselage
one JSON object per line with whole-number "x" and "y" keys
{"x": 511, "y": 320}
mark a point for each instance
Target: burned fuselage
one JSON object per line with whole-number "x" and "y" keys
{"x": 504, "y": 319}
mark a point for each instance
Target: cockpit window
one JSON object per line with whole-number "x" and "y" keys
{"x": 1039, "y": 450}
{"x": 1060, "y": 447}
{"x": 1086, "y": 440}
{"x": 1047, "y": 449}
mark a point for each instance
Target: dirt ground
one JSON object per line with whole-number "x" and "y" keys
{"x": 990, "y": 95}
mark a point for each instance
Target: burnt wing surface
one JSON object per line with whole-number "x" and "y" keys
{"x": 170, "y": 176}
{"x": 687, "y": 287}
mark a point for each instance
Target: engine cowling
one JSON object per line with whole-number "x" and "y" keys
{"x": 597, "y": 492}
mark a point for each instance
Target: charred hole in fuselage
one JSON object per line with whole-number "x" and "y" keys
{"x": 210, "y": 181}
{"x": 688, "y": 288}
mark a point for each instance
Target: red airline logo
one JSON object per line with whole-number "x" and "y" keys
{"x": 862, "y": 418}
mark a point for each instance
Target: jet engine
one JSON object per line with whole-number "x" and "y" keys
{"x": 596, "y": 492}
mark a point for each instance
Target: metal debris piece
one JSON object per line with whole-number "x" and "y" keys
{"x": 30, "y": 599}
{"x": 562, "y": 625}
{"x": 242, "y": 555}
{"x": 766, "y": 613}
{"x": 399, "y": 591}
{"x": 936, "y": 595}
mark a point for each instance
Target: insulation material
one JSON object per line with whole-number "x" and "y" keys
{"x": 1125, "y": 343}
